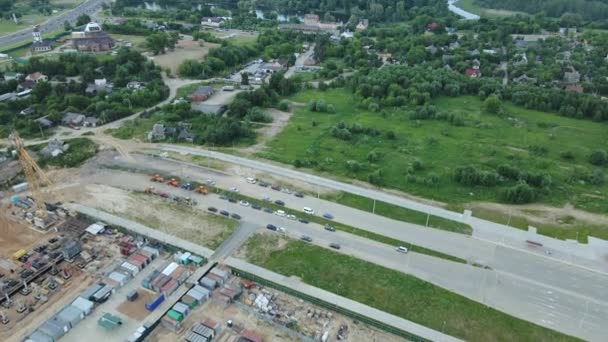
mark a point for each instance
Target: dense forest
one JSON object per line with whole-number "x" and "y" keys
{"x": 587, "y": 9}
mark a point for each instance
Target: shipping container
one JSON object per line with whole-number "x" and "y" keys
{"x": 218, "y": 280}
{"x": 103, "y": 294}
{"x": 63, "y": 325}
{"x": 71, "y": 315}
{"x": 149, "y": 256}
{"x": 169, "y": 287}
{"x": 85, "y": 305}
{"x": 160, "y": 281}
{"x": 38, "y": 336}
{"x": 197, "y": 295}
{"x": 147, "y": 281}
{"x": 190, "y": 301}
{"x": 169, "y": 269}
{"x": 192, "y": 337}
{"x": 202, "y": 290}
{"x": 151, "y": 250}
{"x": 129, "y": 268}
{"x": 52, "y": 330}
{"x": 119, "y": 277}
{"x": 208, "y": 283}
{"x": 155, "y": 303}
{"x": 197, "y": 260}
{"x": 88, "y": 293}
{"x": 20, "y": 187}
{"x": 180, "y": 274}
{"x": 181, "y": 308}
{"x": 223, "y": 274}
{"x": 175, "y": 315}
{"x": 184, "y": 259}
{"x": 132, "y": 295}
{"x": 203, "y": 331}
{"x": 18, "y": 254}
{"x": 170, "y": 323}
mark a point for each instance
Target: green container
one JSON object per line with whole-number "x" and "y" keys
{"x": 175, "y": 315}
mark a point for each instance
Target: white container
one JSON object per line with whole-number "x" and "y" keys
{"x": 169, "y": 269}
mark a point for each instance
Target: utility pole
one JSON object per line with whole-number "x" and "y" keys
{"x": 374, "y": 207}
{"x": 428, "y": 217}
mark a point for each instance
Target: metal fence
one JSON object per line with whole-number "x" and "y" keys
{"x": 380, "y": 325}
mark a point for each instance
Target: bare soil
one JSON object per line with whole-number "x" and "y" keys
{"x": 184, "y": 49}
{"x": 268, "y": 131}
{"x": 136, "y": 308}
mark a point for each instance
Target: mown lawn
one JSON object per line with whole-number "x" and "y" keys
{"x": 396, "y": 293}
{"x": 422, "y": 150}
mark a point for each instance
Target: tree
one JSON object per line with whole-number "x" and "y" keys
{"x": 598, "y": 157}
{"x": 157, "y": 42}
{"x": 492, "y": 105}
{"x": 520, "y": 194}
{"x": 67, "y": 26}
{"x": 244, "y": 78}
{"x": 416, "y": 55}
{"x": 83, "y": 19}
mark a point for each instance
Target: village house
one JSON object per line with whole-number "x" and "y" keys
{"x": 40, "y": 45}
{"x": 54, "y": 148}
{"x": 202, "y": 93}
{"x": 473, "y": 73}
{"x": 572, "y": 76}
{"x": 37, "y": 77}
{"x": 91, "y": 121}
{"x": 72, "y": 119}
{"x": 98, "y": 86}
{"x": 362, "y": 25}
{"x": 212, "y": 21}
{"x": 44, "y": 122}
{"x": 157, "y": 132}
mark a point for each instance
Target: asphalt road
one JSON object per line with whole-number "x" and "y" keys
{"x": 542, "y": 291}
{"x": 54, "y": 23}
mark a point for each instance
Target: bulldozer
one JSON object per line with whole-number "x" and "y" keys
{"x": 157, "y": 178}
{"x": 173, "y": 182}
{"x": 201, "y": 190}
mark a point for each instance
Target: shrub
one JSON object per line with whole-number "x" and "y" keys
{"x": 391, "y": 135}
{"x": 520, "y": 194}
{"x": 373, "y": 156}
{"x": 567, "y": 155}
{"x": 284, "y": 105}
{"x": 375, "y": 177}
{"x": 598, "y": 157}
{"x": 258, "y": 115}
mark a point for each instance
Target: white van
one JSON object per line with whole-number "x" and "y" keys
{"x": 280, "y": 213}
{"x": 401, "y": 249}
{"x": 251, "y": 180}
{"x": 308, "y": 210}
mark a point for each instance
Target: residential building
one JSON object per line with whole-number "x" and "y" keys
{"x": 72, "y": 119}
{"x": 212, "y": 21}
{"x": 93, "y": 39}
{"x": 44, "y": 122}
{"x": 473, "y": 73}
{"x": 91, "y": 121}
{"x": 27, "y": 111}
{"x": 201, "y": 94}
{"x": 572, "y": 76}
{"x": 40, "y": 45}
{"x": 362, "y": 25}
{"x": 37, "y": 77}
{"x": 431, "y": 49}
{"x": 98, "y": 86}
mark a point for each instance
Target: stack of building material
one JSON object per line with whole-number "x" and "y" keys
{"x": 155, "y": 303}
{"x": 129, "y": 268}
{"x": 71, "y": 315}
{"x": 182, "y": 309}
{"x": 208, "y": 283}
{"x": 207, "y": 333}
{"x": 169, "y": 287}
{"x": 172, "y": 321}
{"x": 84, "y": 305}
{"x": 152, "y": 251}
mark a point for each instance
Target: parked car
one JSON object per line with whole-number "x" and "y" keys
{"x": 330, "y": 228}
{"x": 271, "y": 227}
{"x": 308, "y": 210}
{"x": 267, "y": 199}
{"x": 236, "y": 216}
{"x": 233, "y": 189}
{"x": 281, "y": 230}
{"x": 328, "y": 216}
{"x": 212, "y": 209}
{"x": 285, "y": 190}
{"x": 188, "y": 186}
{"x": 334, "y": 245}
{"x": 210, "y": 182}
{"x": 251, "y": 180}
{"x": 231, "y": 200}
{"x": 224, "y": 212}
{"x": 263, "y": 184}
{"x": 303, "y": 220}
{"x": 268, "y": 210}
{"x": 299, "y": 194}
{"x": 306, "y": 238}
{"x": 292, "y": 217}
{"x": 244, "y": 203}
{"x": 224, "y": 197}
{"x": 401, "y": 249}
{"x": 256, "y": 207}
{"x": 275, "y": 187}
{"x": 280, "y": 213}
{"x": 279, "y": 202}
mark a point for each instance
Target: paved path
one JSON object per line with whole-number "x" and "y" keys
{"x": 54, "y": 23}
{"x": 467, "y": 15}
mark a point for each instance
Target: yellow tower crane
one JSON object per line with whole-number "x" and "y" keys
{"x": 36, "y": 178}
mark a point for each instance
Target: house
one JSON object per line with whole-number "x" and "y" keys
{"x": 575, "y": 88}
{"x": 432, "y": 26}
{"x": 572, "y": 76}
{"x": 525, "y": 79}
{"x": 26, "y": 85}
{"x": 473, "y": 73}
{"x": 27, "y": 111}
{"x": 185, "y": 135}
{"x": 54, "y": 148}
{"x": 347, "y": 35}
{"x": 98, "y": 86}
{"x": 431, "y": 49}
{"x": 37, "y": 77}
{"x": 157, "y": 132}
{"x": 134, "y": 85}
{"x": 40, "y": 45}
{"x": 91, "y": 121}
{"x": 72, "y": 119}
{"x": 212, "y": 21}
{"x": 454, "y": 46}
{"x": 201, "y": 94}
{"x": 311, "y": 19}
{"x": 475, "y": 64}
{"x": 44, "y": 122}
{"x": 92, "y": 39}
{"x": 362, "y": 25}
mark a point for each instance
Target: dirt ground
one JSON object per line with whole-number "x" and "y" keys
{"x": 136, "y": 308}
{"x": 15, "y": 235}
{"x": 184, "y": 49}
{"x": 268, "y": 131}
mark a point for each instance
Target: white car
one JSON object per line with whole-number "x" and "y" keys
{"x": 267, "y": 199}
{"x": 292, "y": 217}
{"x": 251, "y": 180}
{"x": 401, "y": 249}
{"x": 280, "y": 213}
{"x": 244, "y": 203}
{"x": 285, "y": 190}
{"x": 308, "y": 210}
{"x": 282, "y": 230}
{"x": 233, "y": 189}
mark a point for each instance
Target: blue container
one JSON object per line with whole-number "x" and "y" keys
{"x": 155, "y": 303}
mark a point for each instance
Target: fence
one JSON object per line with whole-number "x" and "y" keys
{"x": 330, "y": 306}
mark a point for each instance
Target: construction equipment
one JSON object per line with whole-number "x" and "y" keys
{"x": 157, "y": 178}
{"x": 201, "y": 189}
{"x": 4, "y": 318}
{"x": 187, "y": 186}
{"x": 173, "y": 182}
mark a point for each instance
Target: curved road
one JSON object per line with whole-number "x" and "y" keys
{"x": 54, "y": 23}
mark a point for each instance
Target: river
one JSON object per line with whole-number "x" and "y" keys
{"x": 467, "y": 15}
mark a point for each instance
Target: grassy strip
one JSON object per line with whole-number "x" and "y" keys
{"x": 399, "y": 213}
{"x": 349, "y": 229}
{"x": 399, "y": 294}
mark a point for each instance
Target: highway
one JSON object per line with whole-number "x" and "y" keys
{"x": 54, "y": 23}
{"x": 543, "y": 291}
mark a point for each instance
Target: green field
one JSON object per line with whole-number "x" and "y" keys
{"x": 423, "y": 156}
{"x": 394, "y": 292}
{"x": 471, "y": 6}
{"x": 139, "y": 42}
